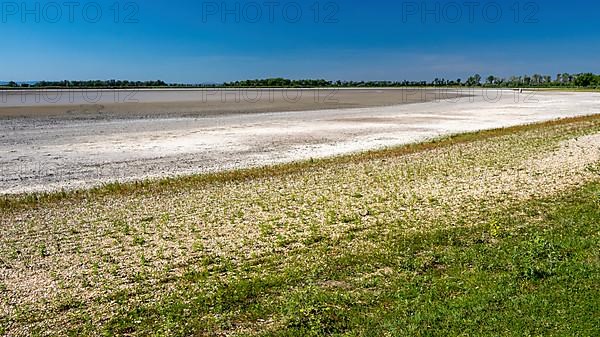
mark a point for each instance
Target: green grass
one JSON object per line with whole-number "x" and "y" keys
{"x": 490, "y": 233}
{"x": 533, "y": 271}
{"x": 568, "y": 89}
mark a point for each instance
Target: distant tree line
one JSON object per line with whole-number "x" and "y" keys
{"x": 565, "y": 80}
{"x": 586, "y": 80}
{"x": 89, "y": 84}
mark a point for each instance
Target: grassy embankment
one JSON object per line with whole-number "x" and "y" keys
{"x": 490, "y": 233}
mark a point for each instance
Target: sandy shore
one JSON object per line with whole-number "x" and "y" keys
{"x": 66, "y": 145}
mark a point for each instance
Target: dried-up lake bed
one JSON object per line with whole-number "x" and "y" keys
{"x": 52, "y": 140}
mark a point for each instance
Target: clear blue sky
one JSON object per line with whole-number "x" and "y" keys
{"x": 190, "y": 40}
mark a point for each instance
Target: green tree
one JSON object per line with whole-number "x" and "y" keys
{"x": 585, "y": 80}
